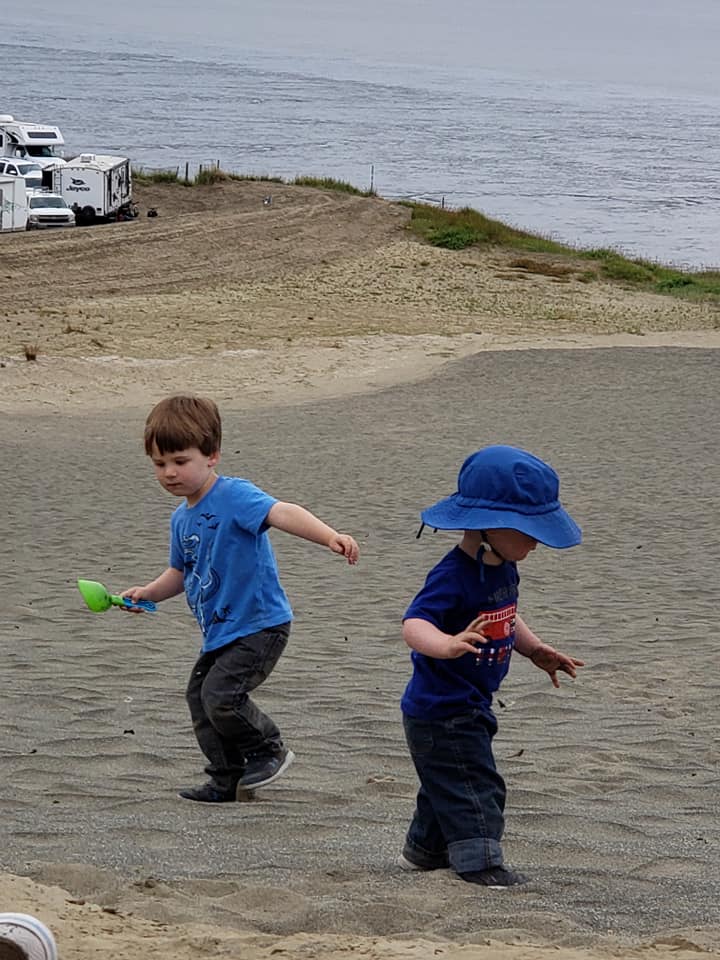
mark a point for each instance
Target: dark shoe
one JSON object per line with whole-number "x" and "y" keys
{"x": 207, "y": 793}
{"x": 261, "y": 770}
{"x": 409, "y": 865}
{"x": 405, "y": 863}
{"x": 496, "y": 877}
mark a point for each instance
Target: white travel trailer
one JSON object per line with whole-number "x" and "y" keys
{"x": 95, "y": 187}
{"x": 38, "y": 142}
{"x": 13, "y": 203}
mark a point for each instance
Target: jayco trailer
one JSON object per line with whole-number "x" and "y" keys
{"x": 13, "y": 203}
{"x": 95, "y": 187}
{"x": 38, "y": 142}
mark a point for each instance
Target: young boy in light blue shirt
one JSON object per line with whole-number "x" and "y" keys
{"x": 221, "y": 557}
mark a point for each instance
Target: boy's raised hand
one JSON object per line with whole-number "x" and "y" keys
{"x": 467, "y": 640}
{"x": 550, "y": 660}
{"x": 422, "y": 635}
{"x": 346, "y": 546}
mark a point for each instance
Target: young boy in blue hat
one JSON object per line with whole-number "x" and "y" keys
{"x": 462, "y": 628}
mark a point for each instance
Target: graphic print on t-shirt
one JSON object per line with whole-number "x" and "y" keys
{"x": 500, "y": 634}
{"x": 206, "y": 588}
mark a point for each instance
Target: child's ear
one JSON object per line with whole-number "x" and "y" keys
{"x": 214, "y": 459}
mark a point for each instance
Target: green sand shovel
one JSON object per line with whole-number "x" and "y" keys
{"x": 99, "y": 600}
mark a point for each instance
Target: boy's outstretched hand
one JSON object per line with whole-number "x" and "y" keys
{"x": 551, "y": 661}
{"x": 346, "y": 546}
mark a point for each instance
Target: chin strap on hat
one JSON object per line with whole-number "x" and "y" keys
{"x": 422, "y": 527}
{"x": 486, "y": 545}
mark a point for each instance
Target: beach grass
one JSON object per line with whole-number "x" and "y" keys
{"x": 701, "y": 284}
{"x": 209, "y": 174}
{"x": 458, "y": 229}
{"x": 463, "y": 228}
{"x": 330, "y": 183}
{"x": 171, "y": 175}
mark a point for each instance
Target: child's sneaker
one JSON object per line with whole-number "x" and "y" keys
{"x": 262, "y": 770}
{"x": 499, "y": 878}
{"x": 208, "y": 793}
{"x": 405, "y": 863}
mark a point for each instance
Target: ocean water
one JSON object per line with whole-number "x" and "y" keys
{"x": 599, "y": 130}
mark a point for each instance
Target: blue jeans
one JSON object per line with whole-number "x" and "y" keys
{"x": 459, "y": 817}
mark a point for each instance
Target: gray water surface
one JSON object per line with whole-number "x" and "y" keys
{"x": 594, "y": 126}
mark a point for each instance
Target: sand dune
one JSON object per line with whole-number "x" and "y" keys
{"x": 612, "y": 780}
{"x": 356, "y": 368}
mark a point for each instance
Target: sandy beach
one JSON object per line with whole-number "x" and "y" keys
{"x": 363, "y": 415}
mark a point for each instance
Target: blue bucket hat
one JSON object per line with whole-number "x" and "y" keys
{"x": 504, "y": 487}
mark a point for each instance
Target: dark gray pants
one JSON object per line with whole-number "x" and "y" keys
{"x": 227, "y": 724}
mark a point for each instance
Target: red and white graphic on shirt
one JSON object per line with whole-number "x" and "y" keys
{"x": 498, "y": 629}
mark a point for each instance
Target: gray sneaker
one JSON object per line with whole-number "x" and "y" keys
{"x": 262, "y": 770}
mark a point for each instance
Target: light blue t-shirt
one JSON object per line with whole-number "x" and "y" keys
{"x": 229, "y": 568}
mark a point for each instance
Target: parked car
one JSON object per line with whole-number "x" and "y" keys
{"x": 32, "y": 172}
{"x": 48, "y": 210}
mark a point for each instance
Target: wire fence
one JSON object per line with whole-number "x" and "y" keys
{"x": 190, "y": 171}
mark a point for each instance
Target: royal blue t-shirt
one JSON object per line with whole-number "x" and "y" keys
{"x": 229, "y": 568}
{"x": 456, "y": 591}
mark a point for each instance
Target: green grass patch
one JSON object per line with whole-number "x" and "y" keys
{"x": 255, "y": 177}
{"x": 329, "y": 183}
{"x": 656, "y": 277}
{"x": 454, "y": 238}
{"x": 459, "y": 229}
{"x": 631, "y": 271}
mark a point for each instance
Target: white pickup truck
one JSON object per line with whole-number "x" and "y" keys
{"x": 46, "y": 210}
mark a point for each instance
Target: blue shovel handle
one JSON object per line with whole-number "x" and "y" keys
{"x": 143, "y": 604}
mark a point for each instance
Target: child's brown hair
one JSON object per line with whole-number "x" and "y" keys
{"x": 183, "y": 421}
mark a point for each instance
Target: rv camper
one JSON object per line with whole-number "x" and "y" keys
{"x": 13, "y": 203}
{"x": 95, "y": 187}
{"x": 38, "y": 142}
